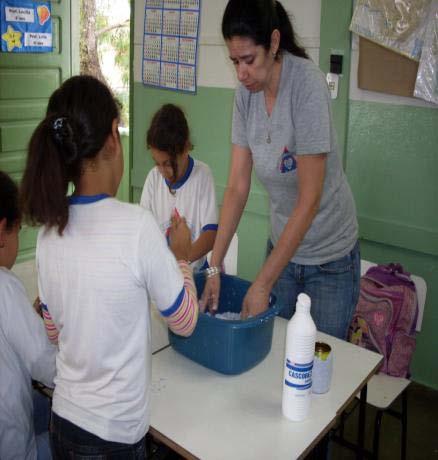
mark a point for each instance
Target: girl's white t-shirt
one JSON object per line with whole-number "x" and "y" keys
{"x": 96, "y": 280}
{"x": 194, "y": 198}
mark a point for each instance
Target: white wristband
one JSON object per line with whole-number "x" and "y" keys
{"x": 212, "y": 271}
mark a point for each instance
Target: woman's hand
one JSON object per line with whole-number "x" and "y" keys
{"x": 256, "y": 301}
{"x": 180, "y": 238}
{"x": 210, "y": 296}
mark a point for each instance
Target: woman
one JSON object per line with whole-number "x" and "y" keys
{"x": 99, "y": 261}
{"x": 282, "y": 125}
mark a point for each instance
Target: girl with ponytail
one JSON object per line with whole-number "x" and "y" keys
{"x": 99, "y": 262}
{"x": 74, "y": 131}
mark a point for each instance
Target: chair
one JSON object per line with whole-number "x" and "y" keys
{"x": 384, "y": 389}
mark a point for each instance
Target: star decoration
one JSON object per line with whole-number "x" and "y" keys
{"x": 13, "y": 38}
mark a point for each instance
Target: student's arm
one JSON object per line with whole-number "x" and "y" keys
{"x": 41, "y": 307}
{"x": 203, "y": 245}
{"x": 26, "y": 335}
{"x": 51, "y": 330}
{"x": 208, "y": 217}
{"x": 183, "y": 315}
{"x": 169, "y": 283}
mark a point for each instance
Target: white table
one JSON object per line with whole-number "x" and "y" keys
{"x": 206, "y": 415}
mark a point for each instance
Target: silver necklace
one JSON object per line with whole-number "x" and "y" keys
{"x": 267, "y": 103}
{"x": 269, "y": 129}
{"x": 269, "y": 125}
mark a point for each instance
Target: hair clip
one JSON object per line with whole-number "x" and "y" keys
{"x": 60, "y": 130}
{"x": 58, "y": 123}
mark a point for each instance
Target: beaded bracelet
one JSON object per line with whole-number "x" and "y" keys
{"x": 212, "y": 271}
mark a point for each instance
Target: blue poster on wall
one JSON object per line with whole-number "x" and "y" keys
{"x": 25, "y": 26}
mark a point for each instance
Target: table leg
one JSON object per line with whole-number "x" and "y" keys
{"x": 361, "y": 428}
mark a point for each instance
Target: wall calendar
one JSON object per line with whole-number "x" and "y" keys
{"x": 170, "y": 42}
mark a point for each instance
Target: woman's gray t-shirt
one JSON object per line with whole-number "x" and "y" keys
{"x": 300, "y": 124}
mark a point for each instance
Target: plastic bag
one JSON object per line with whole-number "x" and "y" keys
{"x": 426, "y": 84}
{"x": 398, "y": 25}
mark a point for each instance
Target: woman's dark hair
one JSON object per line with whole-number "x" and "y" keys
{"x": 78, "y": 121}
{"x": 9, "y": 207}
{"x": 257, "y": 19}
{"x": 169, "y": 132}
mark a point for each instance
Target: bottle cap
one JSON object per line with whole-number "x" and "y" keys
{"x": 303, "y": 303}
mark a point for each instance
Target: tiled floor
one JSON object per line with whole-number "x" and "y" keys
{"x": 422, "y": 440}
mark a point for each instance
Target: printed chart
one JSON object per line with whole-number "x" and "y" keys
{"x": 171, "y": 30}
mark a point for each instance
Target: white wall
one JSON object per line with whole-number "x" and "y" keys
{"x": 214, "y": 66}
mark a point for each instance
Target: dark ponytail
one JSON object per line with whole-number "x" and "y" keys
{"x": 78, "y": 121}
{"x": 257, "y": 19}
{"x": 46, "y": 179}
{"x": 288, "y": 39}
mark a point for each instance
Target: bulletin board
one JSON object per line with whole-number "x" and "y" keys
{"x": 170, "y": 44}
{"x": 25, "y": 26}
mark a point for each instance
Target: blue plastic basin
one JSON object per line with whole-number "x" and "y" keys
{"x": 229, "y": 347}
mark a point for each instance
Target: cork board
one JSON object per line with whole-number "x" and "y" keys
{"x": 385, "y": 71}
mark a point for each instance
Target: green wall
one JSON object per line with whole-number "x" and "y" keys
{"x": 391, "y": 159}
{"x": 392, "y": 165}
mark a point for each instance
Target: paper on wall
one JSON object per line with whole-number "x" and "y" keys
{"x": 398, "y": 25}
{"x": 426, "y": 84}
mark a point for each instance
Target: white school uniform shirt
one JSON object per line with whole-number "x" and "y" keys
{"x": 25, "y": 354}
{"x": 194, "y": 198}
{"x": 96, "y": 280}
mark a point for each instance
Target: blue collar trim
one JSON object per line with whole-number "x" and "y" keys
{"x": 86, "y": 199}
{"x": 183, "y": 179}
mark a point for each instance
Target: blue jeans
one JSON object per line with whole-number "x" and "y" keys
{"x": 41, "y": 417}
{"x": 70, "y": 442}
{"x": 333, "y": 288}
{"x": 44, "y": 451}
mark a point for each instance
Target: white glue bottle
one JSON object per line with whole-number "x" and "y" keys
{"x": 298, "y": 361}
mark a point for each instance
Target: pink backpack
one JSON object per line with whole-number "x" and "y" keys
{"x": 386, "y": 316}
